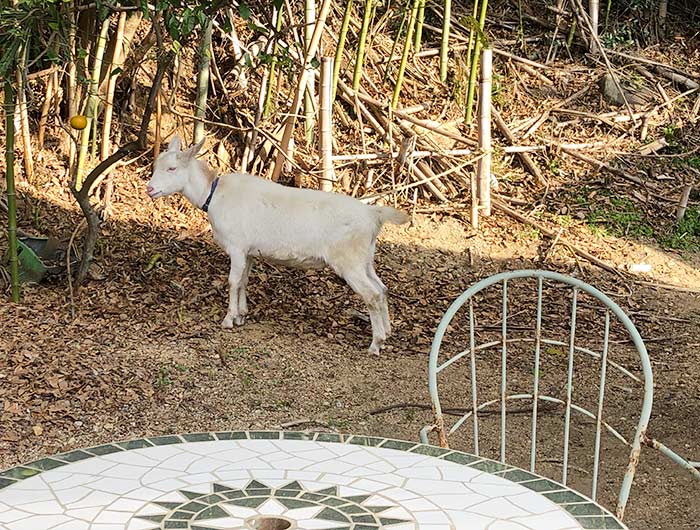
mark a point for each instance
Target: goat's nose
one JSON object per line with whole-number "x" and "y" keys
{"x": 149, "y": 189}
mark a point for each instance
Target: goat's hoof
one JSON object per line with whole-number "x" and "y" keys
{"x": 227, "y": 323}
{"x": 374, "y": 349}
{"x": 240, "y": 320}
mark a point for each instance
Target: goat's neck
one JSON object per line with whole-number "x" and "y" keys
{"x": 197, "y": 187}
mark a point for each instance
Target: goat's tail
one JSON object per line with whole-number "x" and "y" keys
{"x": 387, "y": 214}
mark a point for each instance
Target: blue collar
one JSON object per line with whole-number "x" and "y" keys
{"x": 214, "y": 184}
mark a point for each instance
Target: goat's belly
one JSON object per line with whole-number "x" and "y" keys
{"x": 297, "y": 262}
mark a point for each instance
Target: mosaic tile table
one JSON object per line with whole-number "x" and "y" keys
{"x": 284, "y": 481}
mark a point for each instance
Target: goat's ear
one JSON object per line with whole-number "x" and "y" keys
{"x": 193, "y": 150}
{"x": 174, "y": 144}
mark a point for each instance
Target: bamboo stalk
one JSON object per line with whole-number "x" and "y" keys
{"x": 48, "y": 98}
{"x": 445, "y": 43}
{"x": 11, "y": 195}
{"x": 594, "y": 13}
{"x": 299, "y": 94}
{"x": 277, "y": 16}
{"x": 27, "y": 155}
{"x": 484, "y": 167}
{"x": 419, "y": 26}
{"x": 404, "y": 56}
{"x": 326, "y": 124}
{"x": 359, "y": 60}
{"x": 115, "y": 62}
{"x": 475, "y": 61}
{"x": 91, "y": 113}
{"x": 342, "y": 36}
{"x": 202, "y": 83}
{"x": 394, "y": 44}
{"x": 310, "y": 92}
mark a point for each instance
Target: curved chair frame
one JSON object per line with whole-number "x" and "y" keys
{"x": 640, "y": 437}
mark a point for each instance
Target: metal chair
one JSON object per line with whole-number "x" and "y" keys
{"x": 516, "y": 333}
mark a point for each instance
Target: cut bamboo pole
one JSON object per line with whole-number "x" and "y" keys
{"x": 200, "y": 111}
{"x": 484, "y": 166}
{"x": 683, "y": 204}
{"x": 326, "y": 124}
{"x": 594, "y": 12}
{"x": 269, "y": 75}
{"x": 300, "y": 89}
{"x": 310, "y": 92}
{"x": 9, "y": 104}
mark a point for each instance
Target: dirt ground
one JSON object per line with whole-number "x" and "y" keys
{"x": 139, "y": 352}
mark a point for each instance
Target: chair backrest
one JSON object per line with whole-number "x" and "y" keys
{"x": 536, "y": 350}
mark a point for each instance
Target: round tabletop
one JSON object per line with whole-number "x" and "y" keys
{"x": 284, "y": 481}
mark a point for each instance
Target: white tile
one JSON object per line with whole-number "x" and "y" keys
{"x": 111, "y": 516}
{"x": 508, "y": 525}
{"x": 85, "y": 514}
{"x": 18, "y": 498}
{"x": 555, "y": 520}
{"x": 431, "y": 517}
{"x": 139, "y": 524}
{"x": 314, "y": 524}
{"x": 73, "y": 525}
{"x": 11, "y": 515}
{"x": 168, "y": 485}
{"x": 118, "y": 486}
{"x": 498, "y": 509}
{"x": 533, "y": 502}
{"x": 459, "y": 501}
{"x": 420, "y": 473}
{"x": 271, "y": 507}
{"x": 142, "y": 495}
{"x": 94, "y": 498}
{"x": 45, "y": 522}
{"x": 107, "y": 526}
{"x": 429, "y": 487}
{"x": 50, "y": 507}
{"x": 472, "y": 521}
{"x": 225, "y": 523}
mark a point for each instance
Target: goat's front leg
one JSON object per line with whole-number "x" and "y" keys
{"x": 235, "y": 277}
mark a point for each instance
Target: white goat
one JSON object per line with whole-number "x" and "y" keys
{"x": 255, "y": 218}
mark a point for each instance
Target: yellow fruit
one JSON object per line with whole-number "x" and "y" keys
{"x": 78, "y": 122}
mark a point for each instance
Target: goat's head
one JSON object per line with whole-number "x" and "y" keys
{"x": 172, "y": 169}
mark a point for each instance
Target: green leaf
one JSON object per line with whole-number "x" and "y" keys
{"x": 116, "y": 71}
{"x": 244, "y": 11}
{"x": 82, "y": 53}
{"x": 278, "y": 4}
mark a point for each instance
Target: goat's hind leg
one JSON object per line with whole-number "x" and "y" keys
{"x": 235, "y": 280}
{"x": 384, "y": 306}
{"x": 242, "y": 298}
{"x": 369, "y": 291}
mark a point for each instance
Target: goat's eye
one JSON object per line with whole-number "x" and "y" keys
{"x": 172, "y": 169}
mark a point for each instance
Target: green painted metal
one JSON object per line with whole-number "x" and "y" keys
{"x": 466, "y": 299}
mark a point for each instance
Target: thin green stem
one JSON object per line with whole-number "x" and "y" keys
{"x": 342, "y": 37}
{"x": 475, "y": 61}
{"x": 419, "y": 26}
{"x": 361, "y": 45}
{"x": 445, "y": 44}
{"x": 395, "y": 44}
{"x": 11, "y": 196}
{"x": 404, "y": 55}
{"x": 273, "y": 66}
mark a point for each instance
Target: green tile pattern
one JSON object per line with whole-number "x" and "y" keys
{"x": 331, "y": 506}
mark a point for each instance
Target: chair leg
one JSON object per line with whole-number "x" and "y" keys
{"x": 678, "y": 459}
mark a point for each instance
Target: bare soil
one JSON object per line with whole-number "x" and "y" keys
{"x": 139, "y": 352}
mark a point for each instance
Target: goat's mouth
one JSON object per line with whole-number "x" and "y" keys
{"x": 154, "y": 194}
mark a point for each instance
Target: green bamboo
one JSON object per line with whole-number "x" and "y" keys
{"x": 361, "y": 45}
{"x": 11, "y": 197}
{"x": 342, "y": 36}
{"x": 444, "y": 45}
{"x": 310, "y": 92}
{"x": 472, "y": 38}
{"x": 273, "y": 65}
{"x": 91, "y": 113}
{"x": 204, "y": 61}
{"x": 419, "y": 26}
{"x": 475, "y": 61}
{"x": 394, "y": 45}
{"x": 404, "y": 56}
